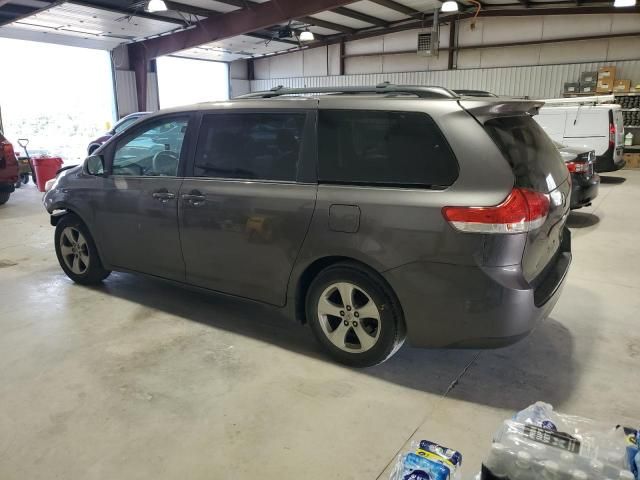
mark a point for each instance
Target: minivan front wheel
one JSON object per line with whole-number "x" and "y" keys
{"x": 77, "y": 253}
{"x": 354, "y": 315}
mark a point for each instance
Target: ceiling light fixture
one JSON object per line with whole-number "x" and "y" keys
{"x": 624, "y": 3}
{"x": 307, "y": 36}
{"x": 156, "y": 6}
{"x": 449, "y": 6}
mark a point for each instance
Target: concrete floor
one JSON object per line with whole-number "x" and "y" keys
{"x": 138, "y": 379}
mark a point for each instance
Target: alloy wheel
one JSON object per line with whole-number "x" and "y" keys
{"x": 349, "y": 317}
{"x": 74, "y": 250}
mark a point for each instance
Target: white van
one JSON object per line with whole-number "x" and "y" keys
{"x": 592, "y": 127}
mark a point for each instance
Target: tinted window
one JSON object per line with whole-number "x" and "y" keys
{"x": 534, "y": 159}
{"x": 125, "y": 123}
{"x": 263, "y": 146}
{"x": 153, "y": 151}
{"x": 390, "y": 148}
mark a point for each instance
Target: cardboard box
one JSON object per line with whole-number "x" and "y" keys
{"x": 607, "y": 73}
{"x": 588, "y": 77}
{"x": 632, "y": 159}
{"x": 571, "y": 87}
{"x": 605, "y": 85}
{"x": 621, "y": 86}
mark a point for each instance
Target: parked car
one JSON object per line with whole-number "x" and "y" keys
{"x": 409, "y": 212}
{"x": 589, "y": 127}
{"x": 120, "y": 125}
{"x": 584, "y": 181}
{"x": 8, "y": 169}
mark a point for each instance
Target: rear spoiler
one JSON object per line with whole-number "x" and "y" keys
{"x": 485, "y": 109}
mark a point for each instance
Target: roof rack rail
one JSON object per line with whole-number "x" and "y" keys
{"x": 590, "y": 100}
{"x": 381, "y": 88}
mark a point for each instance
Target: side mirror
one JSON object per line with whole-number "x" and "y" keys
{"x": 94, "y": 165}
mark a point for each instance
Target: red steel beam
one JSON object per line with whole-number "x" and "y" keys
{"x": 238, "y": 22}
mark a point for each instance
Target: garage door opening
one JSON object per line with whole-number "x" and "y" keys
{"x": 183, "y": 81}
{"x": 59, "y": 97}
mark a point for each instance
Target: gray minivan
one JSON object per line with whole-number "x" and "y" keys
{"x": 371, "y": 213}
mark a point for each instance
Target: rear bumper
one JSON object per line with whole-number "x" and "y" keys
{"x": 8, "y": 187}
{"x": 610, "y": 161}
{"x": 583, "y": 192}
{"x": 475, "y": 307}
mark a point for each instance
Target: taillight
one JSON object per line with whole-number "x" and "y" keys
{"x": 612, "y": 135}
{"x": 523, "y": 210}
{"x": 6, "y": 152}
{"x": 578, "y": 167}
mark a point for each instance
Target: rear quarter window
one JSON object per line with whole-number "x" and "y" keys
{"x": 535, "y": 161}
{"x": 383, "y": 148}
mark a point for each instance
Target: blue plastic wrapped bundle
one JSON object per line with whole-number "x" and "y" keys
{"x": 428, "y": 461}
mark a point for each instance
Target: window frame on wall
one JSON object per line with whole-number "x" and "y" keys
{"x": 306, "y": 170}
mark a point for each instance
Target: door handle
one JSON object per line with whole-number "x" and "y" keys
{"x": 163, "y": 195}
{"x": 194, "y": 198}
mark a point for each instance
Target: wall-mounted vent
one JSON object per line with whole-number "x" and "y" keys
{"x": 424, "y": 44}
{"x": 428, "y": 42}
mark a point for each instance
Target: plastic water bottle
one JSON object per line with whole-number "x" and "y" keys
{"x": 597, "y": 469}
{"x": 497, "y": 460}
{"x": 550, "y": 470}
{"x": 578, "y": 475}
{"x": 523, "y": 467}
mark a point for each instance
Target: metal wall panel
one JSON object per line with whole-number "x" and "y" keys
{"x": 543, "y": 81}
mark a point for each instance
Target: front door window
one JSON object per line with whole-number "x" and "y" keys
{"x": 154, "y": 151}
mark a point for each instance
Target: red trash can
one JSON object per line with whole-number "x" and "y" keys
{"x": 45, "y": 169}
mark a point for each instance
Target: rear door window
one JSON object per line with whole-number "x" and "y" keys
{"x": 383, "y": 148}
{"x": 259, "y": 146}
{"x": 535, "y": 161}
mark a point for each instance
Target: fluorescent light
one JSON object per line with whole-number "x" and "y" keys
{"x": 624, "y": 3}
{"x": 156, "y": 6}
{"x": 306, "y": 36}
{"x": 451, "y": 6}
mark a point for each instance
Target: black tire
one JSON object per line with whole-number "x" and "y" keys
{"x": 24, "y": 178}
{"x": 4, "y": 197}
{"x": 93, "y": 271}
{"x": 390, "y": 324}
{"x": 18, "y": 184}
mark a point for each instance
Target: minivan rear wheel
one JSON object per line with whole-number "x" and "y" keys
{"x": 354, "y": 315}
{"x": 77, "y": 253}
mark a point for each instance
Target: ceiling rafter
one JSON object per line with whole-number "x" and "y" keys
{"x": 324, "y": 24}
{"x": 237, "y": 22}
{"x": 363, "y": 17}
{"x": 398, "y": 7}
{"x": 184, "y": 8}
{"x": 269, "y": 38}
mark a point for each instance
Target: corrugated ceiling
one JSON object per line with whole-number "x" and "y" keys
{"x": 83, "y": 22}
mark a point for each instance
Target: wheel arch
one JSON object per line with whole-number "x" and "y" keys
{"x": 60, "y": 211}
{"x": 312, "y": 270}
